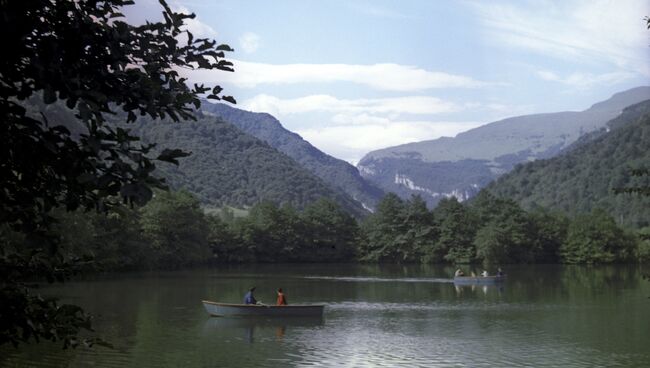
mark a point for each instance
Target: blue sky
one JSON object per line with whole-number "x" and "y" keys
{"x": 354, "y": 76}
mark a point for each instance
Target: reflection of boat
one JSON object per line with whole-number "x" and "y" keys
{"x": 224, "y": 309}
{"x": 263, "y": 322}
{"x": 479, "y": 280}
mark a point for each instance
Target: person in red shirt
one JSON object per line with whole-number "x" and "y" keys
{"x": 282, "y": 300}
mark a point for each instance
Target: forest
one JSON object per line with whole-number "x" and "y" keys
{"x": 591, "y": 174}
{"x": 173, "y": 231}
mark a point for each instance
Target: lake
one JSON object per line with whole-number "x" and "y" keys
{"x": 375, "y": 316}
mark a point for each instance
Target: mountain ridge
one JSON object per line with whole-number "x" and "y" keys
{"x": 335, "y": 172}
{"x": 463, "y": 164}
{"x": 588, "y": 176}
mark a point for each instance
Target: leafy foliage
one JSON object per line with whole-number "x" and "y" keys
{"x": 323, "y": 232}
{"x": 491, "y": 230}
{"x": 175, "y": 227}
{"x": 595, "y": 238}
{"x": 81, "y": 53}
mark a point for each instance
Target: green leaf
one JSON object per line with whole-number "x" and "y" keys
{"x": 224, "y": 47}
{"x": 229, "y": 99}
{"x": 170, "y": 155}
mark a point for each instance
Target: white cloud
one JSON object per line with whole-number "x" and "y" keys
{"x": 387, "y": 77}
{"x": 585, "y": 80}
{"x": 331, "y": 104}
{"x": 250, "y": 42}
{"x": 353, "y": 141}
{"x": 580, "y": 30}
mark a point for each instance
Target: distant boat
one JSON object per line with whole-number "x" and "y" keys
{"x": 479, "y": 280}
{"x": 225, "y": 309}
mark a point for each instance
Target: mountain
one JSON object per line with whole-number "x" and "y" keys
{"x": 227, "y": 166}
{"x": 333, "y": 171}
{"x": 230, "y": 167}
{"x": 462, "y": 165}
{"x": 586, "y": 177}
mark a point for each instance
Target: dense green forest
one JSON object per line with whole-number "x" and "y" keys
{"x": 172, "y": 231}
{"x": 230, "y": 167}
{"x": 589, "y": 175}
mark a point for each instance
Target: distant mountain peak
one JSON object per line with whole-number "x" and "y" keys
{"x": 479, "y": 155}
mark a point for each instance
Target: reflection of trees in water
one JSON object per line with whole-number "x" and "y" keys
{"x": 565, "y": 281}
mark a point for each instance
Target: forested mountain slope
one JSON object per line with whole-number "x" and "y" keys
{"x": 335, "y": 172}
{"x": 586, "y": 177}
{"x": 226, "y": 167}
{"x": 230, "y": 167}
{"x": 460, "y": 166}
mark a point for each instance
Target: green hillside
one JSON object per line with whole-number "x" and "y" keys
{"x": 230, "y": 167}
{"x": 227, "y": 167}
{"x": 586, "y": 176}
{"x": 337, "y": 173}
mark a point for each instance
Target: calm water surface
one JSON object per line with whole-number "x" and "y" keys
{"x": 375, "y": 316}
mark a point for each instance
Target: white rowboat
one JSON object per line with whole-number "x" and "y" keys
{"x": 225, "y": 309}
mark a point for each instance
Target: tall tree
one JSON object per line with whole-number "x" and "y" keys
{"x": 457, "y": 227}
{"x": 173, "y": 224}
{"x": 382, "y": 231}
{"x": 595, "y": 238}
{"x": 330, "y": 232}
{"x": 81, "y": 53}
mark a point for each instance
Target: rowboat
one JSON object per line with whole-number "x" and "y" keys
{"x": 225, "y": 309}
{"x": 479, "y": 280}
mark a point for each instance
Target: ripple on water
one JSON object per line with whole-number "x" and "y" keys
{"x": 439, "y": 305}
{"x": 382, "y": 279}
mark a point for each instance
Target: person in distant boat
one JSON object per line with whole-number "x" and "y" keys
{"x": 249, "y": 298}
{"x": 484, "y": 273}
{"x": 459, "y": 272}
{"x": 282, "y": 300}
{"x": 499, "y": 272}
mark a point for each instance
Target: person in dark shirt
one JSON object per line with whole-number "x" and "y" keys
{"x": 249, "y": 298}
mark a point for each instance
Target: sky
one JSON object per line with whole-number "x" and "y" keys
{"x": 358, "y": 75}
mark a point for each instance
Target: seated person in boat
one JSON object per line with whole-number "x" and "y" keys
{"x": 282, "y": 300}
{"x": 499, "y": 272}
{"x": 249, "y": 298}
{"x": 484, "y": 273}
{"x": 459, "y": 272}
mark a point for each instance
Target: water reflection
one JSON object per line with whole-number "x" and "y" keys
{"x": 248, "y": 326}
{"x": 474, "y": 288}
{"x": 376, "y": 316}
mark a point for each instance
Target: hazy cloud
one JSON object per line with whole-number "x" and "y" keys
{"x": 585, "y": 80}
{"x": 351, "y": 142}
{"x": 585, "y": 31}
{"x": 331, "y": 104}
{"x": 249, "y": 42}
{"x": 388, "y": 77}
